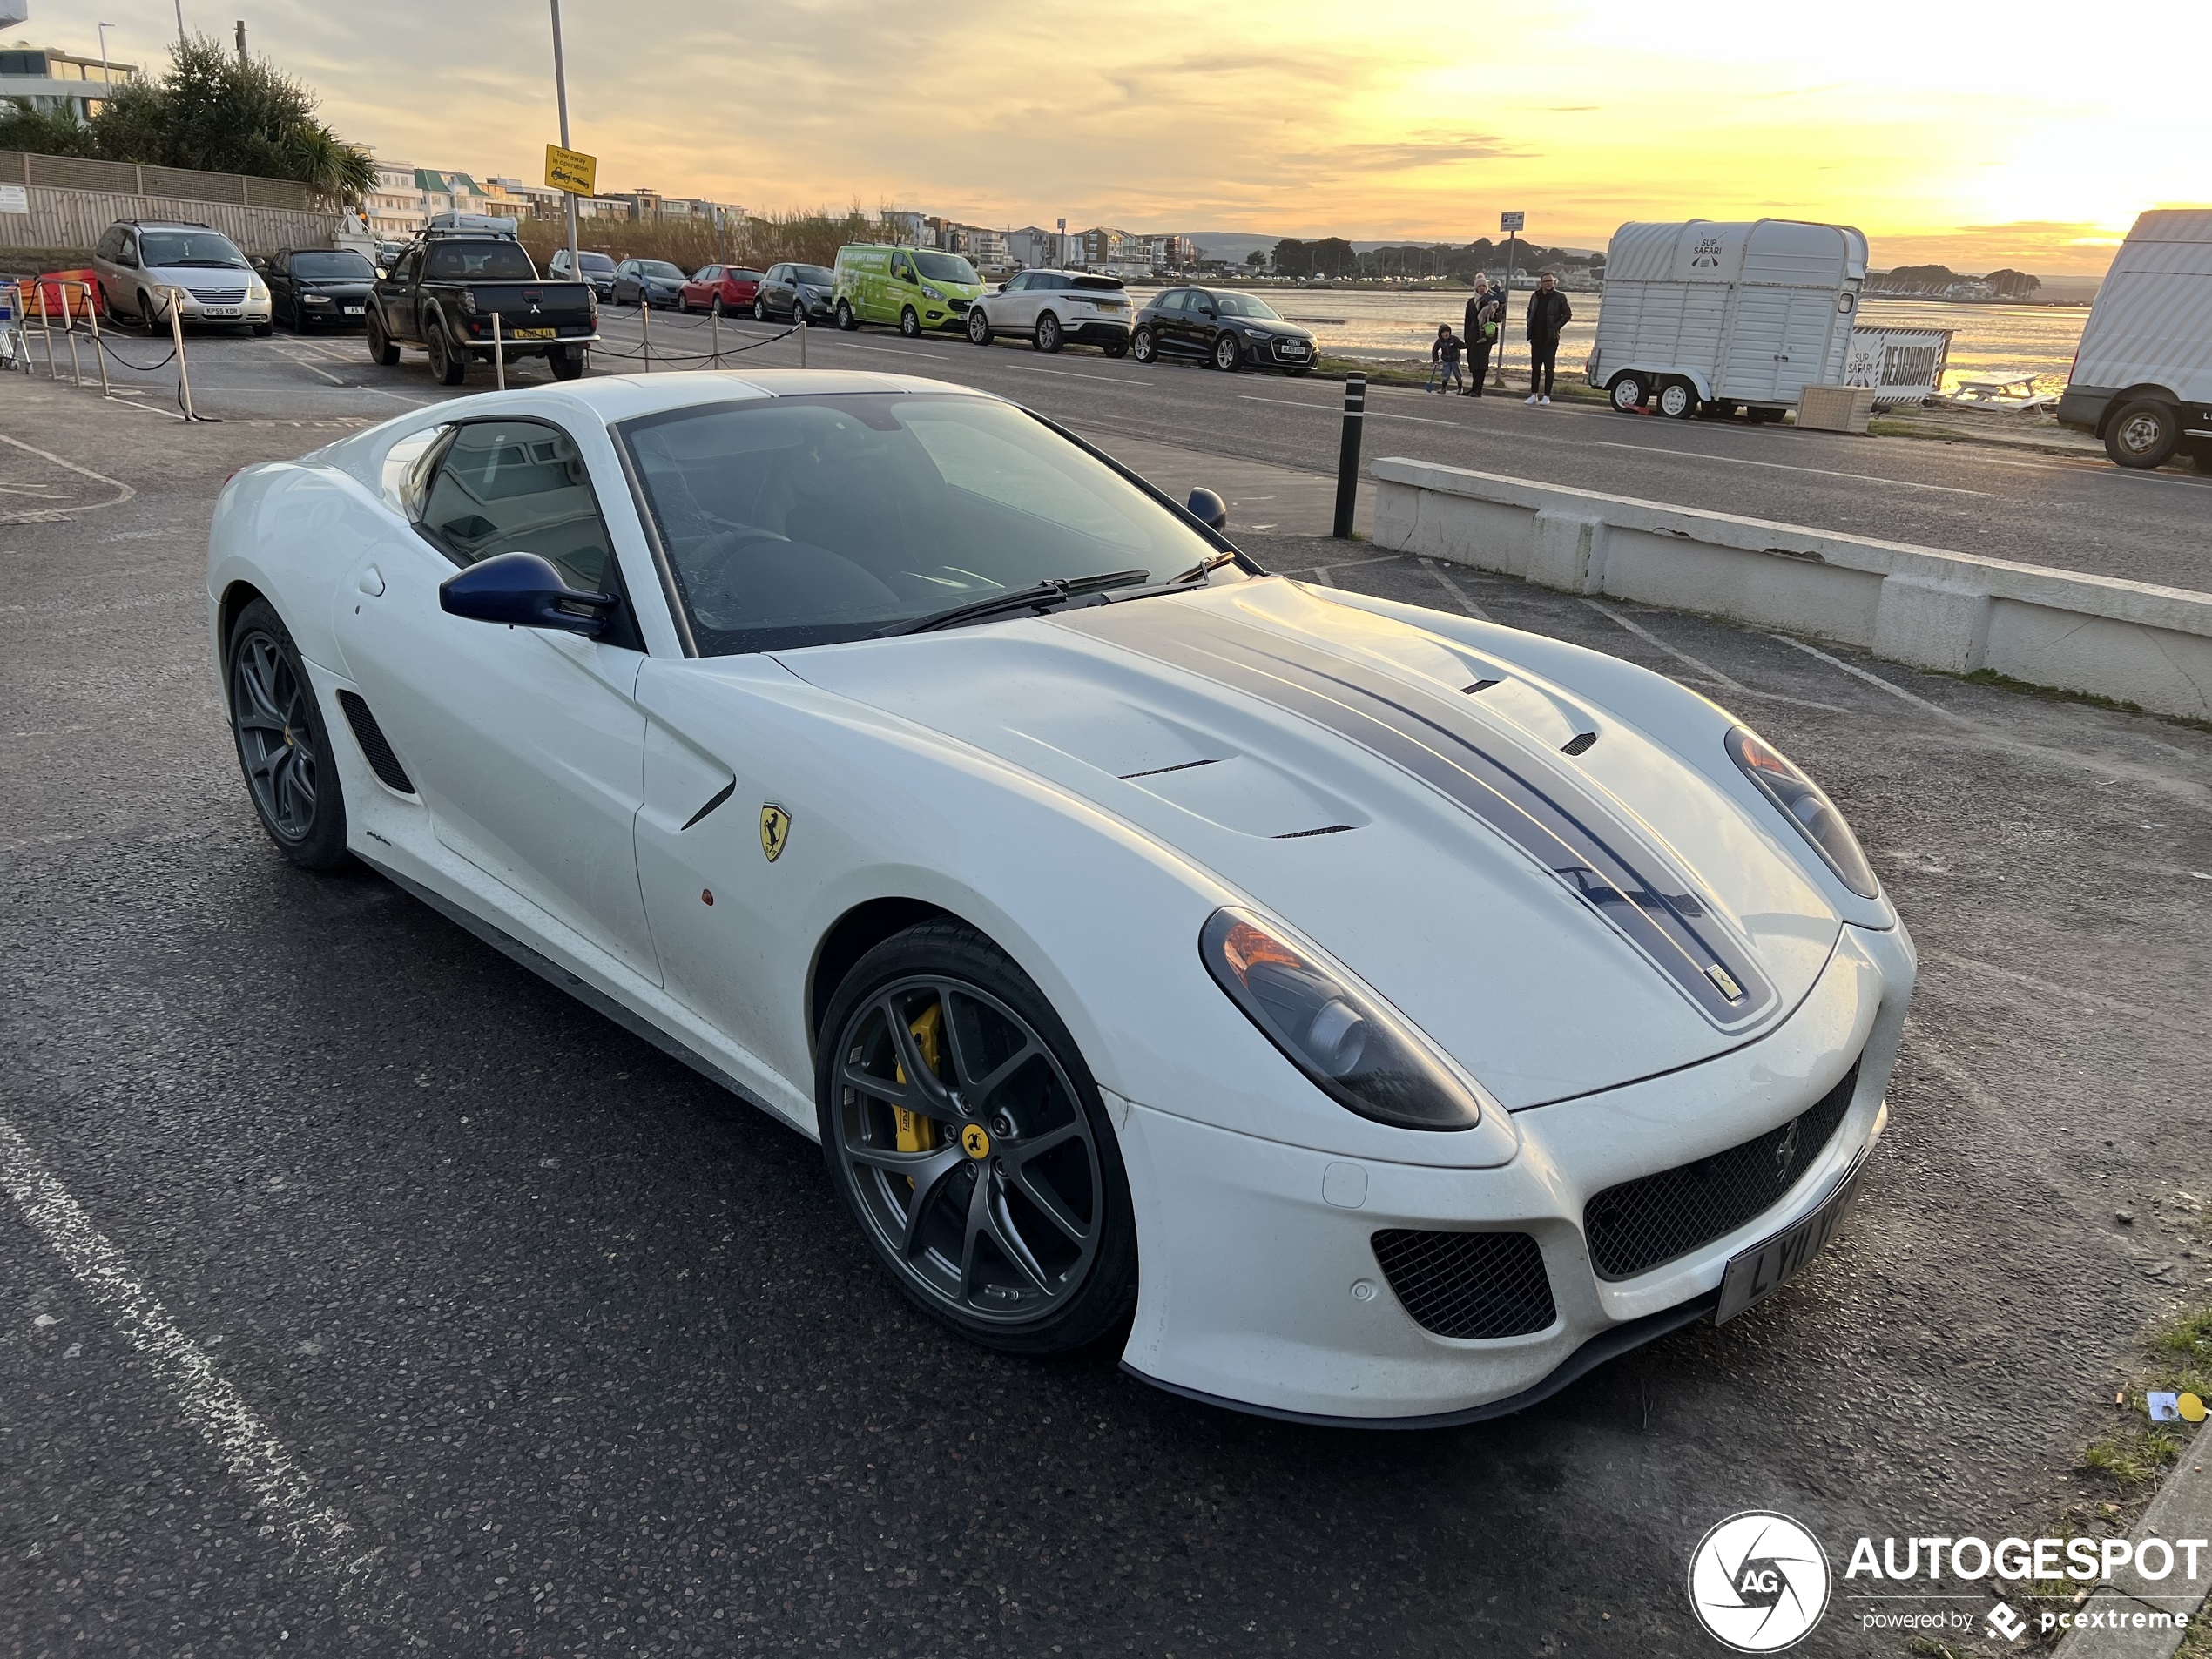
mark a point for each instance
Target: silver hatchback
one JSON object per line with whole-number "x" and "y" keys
{"x": 145, "y": 266}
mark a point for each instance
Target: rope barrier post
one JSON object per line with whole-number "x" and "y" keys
{"x": 46, "y": 332}
{"x": 177, "y": 340}
{"x": 645, "y": 328}
{"x": 68, "y": 333}
{"x": 499, "y": 351}
{"x": 1355, "y": 416}
{"x": 714, "y": 317}
{"x": 802, "y": 339}
{"x": 100, "y": 350}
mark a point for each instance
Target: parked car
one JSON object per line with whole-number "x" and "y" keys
{"x": 1220, "y": 327}
{"x": 648, "y": 283}
{"x": 790, "y": 292}
{"x": 144, "y": 265}
{"x": 914, "y": 289}
{"x": 725, "y": 289}
{"x": 319, "y": 287}
{"x": 446, "y": 287}
{"x": 2142, "y": 380}
{"x": 1054, "y": 308}
{"x": 597, "y": 269}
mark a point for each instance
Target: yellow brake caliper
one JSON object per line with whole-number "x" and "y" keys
{"x": 917, "y": 1133}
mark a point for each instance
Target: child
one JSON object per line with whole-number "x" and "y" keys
{"x": 1446, "y": 351}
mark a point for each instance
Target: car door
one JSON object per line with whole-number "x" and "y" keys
{"x": 1010, "y": 308}
{"x": 1201, "y": 320}
{"x": 901, "y": 293}
{"x": 525, "y": 745}
{"x": 284, "y": 298}
{"x": 395, "y": 296}
{"x": 1170, "y": 324}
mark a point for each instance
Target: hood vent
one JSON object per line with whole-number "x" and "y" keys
{"x": 1299, "y": 835}
{"x": 1156, "y": 771}
{"x": 1577, "y": 743}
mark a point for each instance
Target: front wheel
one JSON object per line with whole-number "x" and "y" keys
{"x": 283, "y": 746}
{"x": 846, "y": 320}
{"x": 381, "y": 351}
{"x": 2144, "y": 435}
{"x": 1228, "y": 354}
{"x": 1626, "y": 393}
{"x": 963, "y": 1131}
{"x": 979, "y": 326}
{"x": 1050, "y": 337}
{"x": 1677, "y": 401}
{"x": 263, "y": 330}
{"x": 1143, "y": 347}
{"x": 759, "y": 309}
{"x": 910, "y": 323}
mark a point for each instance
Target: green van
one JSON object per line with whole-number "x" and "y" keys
{"x": 914, "y": 289}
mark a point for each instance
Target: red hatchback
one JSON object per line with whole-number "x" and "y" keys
{"x": 725, "y": 288}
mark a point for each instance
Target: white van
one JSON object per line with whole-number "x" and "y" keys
{"x": 2142, "y": 380}
{"x": 1708, "y": 319}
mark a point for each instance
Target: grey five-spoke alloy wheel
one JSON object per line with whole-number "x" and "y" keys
{"x": 1228, "y": 354}
{"x": 283, "y": 746}
{"x": 964, "y": 1132}
{"x": 979, "y": 325}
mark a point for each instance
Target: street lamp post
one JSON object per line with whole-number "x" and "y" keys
{"x": 561, "y": 92}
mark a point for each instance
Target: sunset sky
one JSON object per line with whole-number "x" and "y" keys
{"x": 1973, "y": 135}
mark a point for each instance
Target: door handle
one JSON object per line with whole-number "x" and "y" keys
{"x": 371, "y": 581}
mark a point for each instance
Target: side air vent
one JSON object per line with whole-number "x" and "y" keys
{"x": 1162, "y": 772}
{"x": 1299, "y": 835}
{"x": 1576, "y": 744}
{"x": 1468, "y": 1284}
{"x": 374, "y": 748}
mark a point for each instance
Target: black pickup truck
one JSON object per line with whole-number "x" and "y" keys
{"x": 443, "y": 291}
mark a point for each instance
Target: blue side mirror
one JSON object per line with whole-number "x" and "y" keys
{"x": 1209, "y": 510}
{"x": 524, "y": 591}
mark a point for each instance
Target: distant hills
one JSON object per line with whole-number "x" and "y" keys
{"x": 1235, "y": 244}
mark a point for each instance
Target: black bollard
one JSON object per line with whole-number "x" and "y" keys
{"x": 1355, "y": 416}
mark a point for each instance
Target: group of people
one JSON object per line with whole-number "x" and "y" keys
{"x": 1546, "y": 318}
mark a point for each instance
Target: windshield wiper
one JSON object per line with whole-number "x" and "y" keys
{"x": 1040, "y": 597}
{"x": 1203, "y": 567}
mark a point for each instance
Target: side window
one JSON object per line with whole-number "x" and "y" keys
{"x": 1172, "y": 303}
{"x": 130, "y": 249}
{"x": 902, "y": 267}
{"x": 281, "y": 266}
{"x": 410, "y": 262}
{"x": 111, "y": 245}
{"x": 519, "y": 486}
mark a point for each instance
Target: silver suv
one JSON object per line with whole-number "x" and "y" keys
{"x": 145, "y": 264}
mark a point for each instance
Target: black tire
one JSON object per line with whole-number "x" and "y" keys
{"x": 979, "y": 326}
{"x": 1228, "y": 354}
{"x": 2143, "y": 434}
{"x": 1119, "y": 348}
{"x": 910, "y": 323}
{"x": 1713, "y": 409}
{"x": 292, "y": 781}
{"x": 381, "y": 351}
{"x": 2202, "y": 456}
{"x": 1678, "y": 400}
{"x": 263, "y": 330}
{"x": 1048, "y": 335}
{"x": 1766, "y": 417}
{"x": 447, "y": 366}
{"x": 846, "y": 320}
{"x": 759, "y": 309}
{"x": 1298, "y": 373}
{"x": 1046, "y": 1140}
{"x": 1626, "y": 393}
{"x": 1143, "y": 348}
{"x": 568, "y": 362}
{"x": 146, "y": 314}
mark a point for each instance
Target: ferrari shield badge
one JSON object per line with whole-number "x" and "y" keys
{"x": 775, "y": 830}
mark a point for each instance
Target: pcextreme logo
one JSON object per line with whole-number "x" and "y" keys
{"x": 1758, "y": 1581}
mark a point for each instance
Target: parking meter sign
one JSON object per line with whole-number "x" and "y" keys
{"x": 1511, "y": 221}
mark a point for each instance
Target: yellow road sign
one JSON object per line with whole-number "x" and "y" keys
{"x": 571, "y": 170}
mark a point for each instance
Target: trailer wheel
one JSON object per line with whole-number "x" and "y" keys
{"x": 1715, "y": 409}
{"x": 1627, "y": 392}
{"x": 2144, "y": 435}
{"x": 1678, "y": 400}
{"x": 1765, "y": 417}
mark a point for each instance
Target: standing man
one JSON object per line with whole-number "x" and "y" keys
{"x": 1548, "y": 314}
{"x": 1485, "y": 314}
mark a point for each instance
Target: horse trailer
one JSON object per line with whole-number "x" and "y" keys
{"x": 1705, "y": 319}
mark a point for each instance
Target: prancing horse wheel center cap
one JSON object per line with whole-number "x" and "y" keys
{"x": 976, "y": 1141}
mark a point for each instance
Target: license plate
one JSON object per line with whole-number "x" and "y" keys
{"x": 354, "y": 311}
{"x": 219, "y": 311}
{"x": 1755, "y": 1274}
{"x": 530, "y": 333}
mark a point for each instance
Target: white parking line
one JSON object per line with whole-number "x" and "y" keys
{"x": 1857, "y": 673}
{"x": 1321, "y": 575}
{"x": 124, "y": 492}
{"x": 209, "y": 1402}
{"x": 1735, "y": 687}
{"x": 1331, "y": 408}
{"x": 293, "y": 357}
{"x": 1454, "y": 589}
{"x": 1783, "y": 466}
{"x": 1074, "y": 374}
{"x": 901, "y": 351}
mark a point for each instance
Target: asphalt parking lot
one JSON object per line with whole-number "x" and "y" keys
{"x": 560, "y": 1350}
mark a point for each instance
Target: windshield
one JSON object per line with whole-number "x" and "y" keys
{"x": 188, "y": 247}
{"x": 331, "y": 266}
{"x": 659, "y": 268}
{"x": 479, "y": 262}
{"x": 1243, "y": 305}
{"x": 594, "y": 262}
{"x": 945, "y": 267}
{"x": 812, "y": 275}
{"x": 803, "y": 521}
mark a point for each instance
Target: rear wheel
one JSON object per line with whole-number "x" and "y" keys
{"x": 1626, "y": 393}
{"x": 2143, "y": 434}
{"x": 283, "y": 747}
{"x": 910, "y": 323}
{"x": 846, "y": 320}
{"x": 568, "y": 362}
{"x": 1049, "y": 337}
{"x": 447, "y": 366}
{"x": 979, "y": 326}
{"x": 381, "y": 351}
{"x": 1764, "y": 417}
{"x": 1677, "y": 401}
{"x": 1228, "y": 354}
{"x": 964, "y": 1132}
{"x": 1117, "y": 348}
{"x": 1143, "y": 347}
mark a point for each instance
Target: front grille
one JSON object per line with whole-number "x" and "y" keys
{"x": 958, "y": 306}
{"x": 1295, "y": 350}
{"x": 1468, "y": 1284}
{"x": 1635, "y": 1226}
{"x": 375, "y": 746}
{"x": 218, "y": 296}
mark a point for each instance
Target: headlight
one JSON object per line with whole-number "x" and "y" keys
{"x": 257, "y": 291}
{"x": 1357, "y": 1050}
{"x": 316, "y": 299}
{"x": 1817, "y": 819}
{"x": 932, "y": 293}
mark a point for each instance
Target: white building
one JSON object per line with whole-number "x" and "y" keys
{"x": 48, "y": 80}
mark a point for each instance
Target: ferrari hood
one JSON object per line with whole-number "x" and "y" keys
{"x": 1559, "y": 902}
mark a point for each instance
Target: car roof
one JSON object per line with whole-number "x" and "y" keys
{"x": 615, "y": 398}
{"x": 166, "y": 223}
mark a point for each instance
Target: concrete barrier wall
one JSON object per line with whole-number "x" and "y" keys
{"x": 1921, "y": 606}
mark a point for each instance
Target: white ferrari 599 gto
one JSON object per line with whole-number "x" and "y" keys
{"x": 1382, "y": 1016}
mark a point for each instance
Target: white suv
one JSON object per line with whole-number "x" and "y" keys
{"x": 1054, "y": 308}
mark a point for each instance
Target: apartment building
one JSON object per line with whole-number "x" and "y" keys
{"x": 49, "y": 80}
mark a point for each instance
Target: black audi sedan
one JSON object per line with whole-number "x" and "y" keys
{"x": 1221, "y": 327}
{"x": 319, "y": 288}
